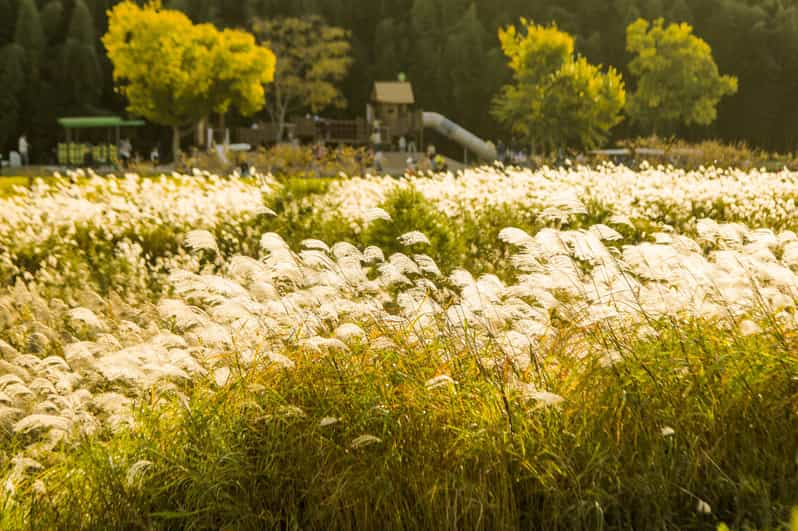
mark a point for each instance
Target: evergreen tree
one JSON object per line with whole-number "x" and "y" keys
{"x": 52, "y": 17}
{"x": 12, "y": 72}
{"x": 29, "y": 33}
{"x": 29, "y": 37}
{"x": 6, "y": 18}
{"x": 475, "y": 69}
{"x": 81, "y": 59}
{"x": 236, "y": 14}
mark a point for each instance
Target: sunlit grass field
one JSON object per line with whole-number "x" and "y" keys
{"x": 569, "y": 348}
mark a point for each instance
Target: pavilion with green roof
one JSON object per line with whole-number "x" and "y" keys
{"x": 73, "y": 152}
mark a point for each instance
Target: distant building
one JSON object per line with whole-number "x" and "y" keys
{"x": 392, "y": 106}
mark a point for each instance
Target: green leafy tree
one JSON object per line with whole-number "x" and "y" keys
{"x": 678, "y": 81}
{"x": 176, "y": 73}
{"x": 312, "y": 58}
{"x": 556, "y": 99}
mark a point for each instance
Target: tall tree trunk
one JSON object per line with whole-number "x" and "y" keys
{"x": 281, "y": 125}
{"x": 175, "y": 142}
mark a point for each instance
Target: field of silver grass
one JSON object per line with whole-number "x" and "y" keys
{"x": 75, "y": 362}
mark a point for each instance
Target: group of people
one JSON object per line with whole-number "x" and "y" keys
{"x": 20, "y": 157}
{"x": 126, "y": 154}
{"x": 430, "y": 161}
{"x": 518, "y": 156}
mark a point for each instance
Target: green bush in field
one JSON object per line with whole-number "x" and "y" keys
{"x": 411, "y": 211}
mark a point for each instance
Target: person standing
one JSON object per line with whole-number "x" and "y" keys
{"x": 23, "y": 150}
{"x": 125, "y": 149}
{"x": 402, "y": 144}
{"x": 379, "y": 159}
{"x": 501, "y": 152}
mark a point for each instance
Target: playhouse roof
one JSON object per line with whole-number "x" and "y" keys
{"x": 397, "y": 92}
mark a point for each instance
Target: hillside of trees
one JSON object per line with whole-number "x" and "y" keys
{"x": 53, "y": 64}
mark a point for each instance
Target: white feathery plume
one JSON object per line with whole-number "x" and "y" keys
{"x": 789, "y": 255}
{"x": 703, "y": 507}
{"x": 265, "y": 211}
{"x": 272, "y": 242}
{"x": 214, "y": 335}
{"x": 391, "y": 275}
{"x": 444, "y": 380}
{"x": 413, "y": 238}
{"x": 42, "y": 387}
{"x": 749, "y": 328}
{"x": 221, "y": 376}
{"x": 9, "y": 379}
{"x": 427, "y": 265}
{"x": 54, "y": 362}
{"x": 346, "y": 250}
{"x": 545, "y": 398}
{"x": 17, "y": 390}
{"x": 45, "y": 408}
{"x": 349, "y": 331}
{"x": 201, "y": 240}
{"x": 605, "y": 233}
{"x": 404, "y": 264}
{"x": 8, "y": 414}
{"x": 461, "y": 278}
{"x": 37, "y": 422}
{"x": 317, "y": 245}
{"x": 86, "y": 317}
{"x": 328, "y": 421}
{"x": 373, "y": 214}
{"x": 135, "y": 474}
{"x": 184, "y": 316}
{"x": 620, "y": 219}
{"x": 324, "y": 344}
{"x": 662, "y": 238}
{"x": 316, "y": 259}
{"x": 383, "y": 343}
{"x": 363, "y": 441}
{"x": 515, "y": 236}
{"x": 551, "y": 242}
{"x": 281, "y": 360}
{"x": 373, "y": 254}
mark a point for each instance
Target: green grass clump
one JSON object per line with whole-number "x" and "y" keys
{"x": 476, "y": 454}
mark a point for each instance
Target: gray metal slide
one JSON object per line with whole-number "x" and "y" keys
{"x": 451, "y": 130}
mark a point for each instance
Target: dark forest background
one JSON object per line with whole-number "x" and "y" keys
{"x": 52, "y": 62}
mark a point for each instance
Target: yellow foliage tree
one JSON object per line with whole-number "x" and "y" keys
{"x": 175, "y": 73}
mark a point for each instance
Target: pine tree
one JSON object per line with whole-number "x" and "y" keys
{"x": 12, "y": 72}
{"x": 6, "y": 27}
{"x": 29, "y": 37}
{"x": 29, "y": 33}
{"x": 474, "y": 69}
{"x": 237, "y": 14}
{"x": 52, "y": 18}
{"x": 81, "y": 60}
